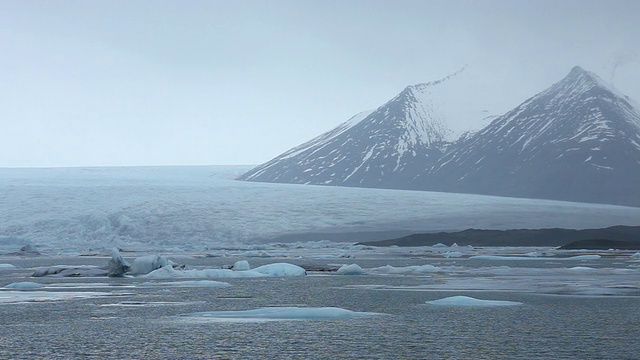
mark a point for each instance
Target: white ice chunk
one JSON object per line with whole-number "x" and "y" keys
{"x": 7, "y": 266}
{"x": 270, "y": 270}
{"x": 353, "y": 269}
{"x": 452, "y": 254}
{"x": 636, "y": 255}
{"x": 241, "y": 265}
{"x": 117, "y": 266}
{"x": 146, "y": 264}
{"x": 439, "y": 245}
{"x": 13, "y": 297}
{"x": 281, "y": 313}
{"x": 582, "y": 268}
{"x": 257, "y": 253}
{"x": 406, "y": 270}
{"x": 189, "y": 283}
{"x": 468, "y": 301}
{"x": 70, "y": 271}
{"x": 24, "y": 285}
{"x": 168, "y": 272}
{"x": 281, "y": 269}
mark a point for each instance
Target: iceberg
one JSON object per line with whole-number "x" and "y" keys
{"x": 117, "y": 266}
{"x": 281, "y": 269}
{"x": 241, "y": 265}
{"x": 452, "y": 254}
{"x": 70, "y": 271}
{"x": 189, "y": 283}
{"x": 270, "y": 270}
{"x": 467, "y": 301}
{"x": 146, "y": 264}
{"x": 406, "y": 270}
{"x": 282, "y": 313}
{"x": 353, "y": 269}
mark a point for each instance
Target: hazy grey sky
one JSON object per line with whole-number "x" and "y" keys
{"x": 239, "y": 82}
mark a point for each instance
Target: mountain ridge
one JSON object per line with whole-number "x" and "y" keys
{"x": 575, "y": 141}
{"x": 578, "y": 140}
{"x": 384, "y": 148}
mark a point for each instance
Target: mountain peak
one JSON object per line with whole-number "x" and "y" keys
{"x": 578, "y": 140}
{"x": 584, "y": 79}
{"x": 578, "y": 70}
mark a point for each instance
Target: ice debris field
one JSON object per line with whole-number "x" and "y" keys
{"x": 193, "y": 238}
{"x": 476, "y": 270}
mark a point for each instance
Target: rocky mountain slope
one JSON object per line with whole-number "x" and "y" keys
{"x": 384, "y": 148}
{"x": 579, "y": 140}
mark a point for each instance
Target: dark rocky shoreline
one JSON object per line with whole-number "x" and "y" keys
{"x": 615, "y": 237}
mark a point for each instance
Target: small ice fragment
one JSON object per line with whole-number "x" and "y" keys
{"x": 408, "y": 270}
{"x": 281, "y": 269}
{"x": 241, "y": 265}
{"x": 468, "y": 301}
{"x": 25, "y": 285}
{"x": 353, "y": 269}
{"x": 189, "y": 283}
{"x": 146, "y": 264}
{"x": 452, "y": 254}
{"x": 117, "y": 266}
{"x": 281, "y": 313}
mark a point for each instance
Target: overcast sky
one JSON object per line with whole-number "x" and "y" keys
{"x": 238, "y": 82}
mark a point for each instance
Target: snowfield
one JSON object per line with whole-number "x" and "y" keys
{"x": 183, "y": 209}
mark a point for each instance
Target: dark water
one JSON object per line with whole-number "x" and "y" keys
{"x": 147, "y": 324}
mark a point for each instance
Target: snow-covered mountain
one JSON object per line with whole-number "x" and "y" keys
{"x": 579, "y": 140}
{"x": 384, "y": 148}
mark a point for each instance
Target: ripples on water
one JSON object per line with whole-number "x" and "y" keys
{"x": 544, "y": 327}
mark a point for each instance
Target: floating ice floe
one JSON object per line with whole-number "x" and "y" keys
{"x": 452, "y": 254}
{"x": 636, "y": 255}
{"x": 467, "y": 301}
{"x": 150, "y": 303}
{"x": 13, "y": 297}
{"x": 582, "y": 268}
{"x": 270, "y": 270}
{"x": 280, "y": 269}
{"x": 406, "y": 270}
{"x": 257, "y": 253}
{"x": 496, "y": 257}
{"x": 7, "y": 267}
{"x": 24, "y": 285}
{"x": 353, "y": 269}
{"x": 70, "y": 271}
{"x": 189, "y": 283}
{"x": 281, "y": 313}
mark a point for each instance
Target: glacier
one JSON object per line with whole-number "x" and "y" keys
{"x": 200, "y": 208}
